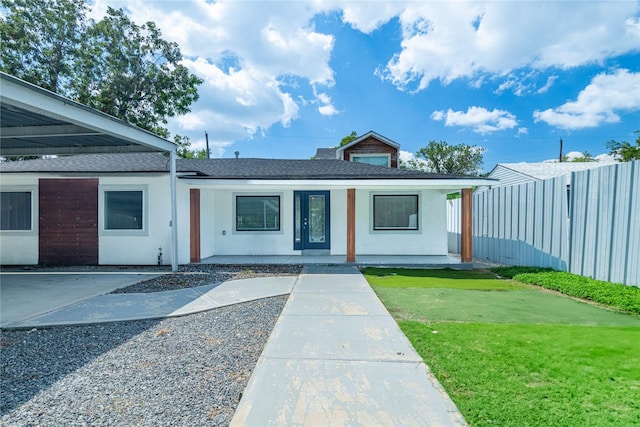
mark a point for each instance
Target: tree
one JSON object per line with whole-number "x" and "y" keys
{"x": 347, "y": 139}
{"x": 185, "y": 151}
{"x": 624, "y": 151}
{"x": 40, "y": 38}
{"x": 130, "y": 72}
{"x": 586, "y": 157}
{"x": 115, "y": 66}
{"x": 440, "y": 157}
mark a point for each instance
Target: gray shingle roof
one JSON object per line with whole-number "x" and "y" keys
{"x": 326, "y": 154}
{"x": 244, "y": 168}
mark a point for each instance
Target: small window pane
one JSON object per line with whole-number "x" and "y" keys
{"x": 372, "y": 160}
{"x": 15, "y": 210}
{"x": 257, "y": 213}
{"x": 123, "y": 210}
{"x": 395, "y": 212}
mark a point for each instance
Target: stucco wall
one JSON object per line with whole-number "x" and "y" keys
{"x": 219, "y": 238}
{"x": 20, "y": 247}
{"x": 429, "y": 239}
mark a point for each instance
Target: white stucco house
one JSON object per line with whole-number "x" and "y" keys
{"x": 112, "y": 197}
{"x": 113, "y": 209}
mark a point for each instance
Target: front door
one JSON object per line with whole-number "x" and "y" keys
{"x": 311, "y": 220}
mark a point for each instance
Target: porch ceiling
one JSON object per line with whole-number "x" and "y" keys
{"x": 34, "y": 121}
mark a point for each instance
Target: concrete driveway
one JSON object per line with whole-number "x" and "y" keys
{"x": 24, "y": 295}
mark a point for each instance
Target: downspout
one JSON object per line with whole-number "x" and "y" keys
{"x": 174, "y": 212}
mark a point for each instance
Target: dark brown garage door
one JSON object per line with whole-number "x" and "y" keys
{"x": 68, "y": 221}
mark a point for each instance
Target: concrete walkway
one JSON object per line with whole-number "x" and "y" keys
{"x": 120, "y": 307}
{"x": 336, "y": 357}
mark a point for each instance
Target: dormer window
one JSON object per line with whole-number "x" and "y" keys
{"x": 372, "y": 159}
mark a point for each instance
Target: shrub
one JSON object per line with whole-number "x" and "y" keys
{"x": 509, "y": 272}
{"x": 621, "y": 297}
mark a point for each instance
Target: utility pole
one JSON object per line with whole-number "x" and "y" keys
{"x": 206, "y": 136}
{"x": 560, "y": 158}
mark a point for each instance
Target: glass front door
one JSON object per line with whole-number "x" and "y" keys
{"x": 311, "y": 220}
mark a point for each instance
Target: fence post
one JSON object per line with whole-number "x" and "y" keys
{"x": 466, "y": 226}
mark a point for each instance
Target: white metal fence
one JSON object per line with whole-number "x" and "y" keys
{"x": 591, "y": 228}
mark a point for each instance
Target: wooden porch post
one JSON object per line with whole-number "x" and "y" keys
{"x": 351, "y": 225}
{"x": 194, "y": 220}
{"x": 466, "y": 226}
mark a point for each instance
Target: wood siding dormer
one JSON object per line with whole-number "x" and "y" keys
{"x": 372, "y": 145}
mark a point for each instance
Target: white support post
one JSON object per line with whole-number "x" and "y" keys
{"x": 174, "y": 213}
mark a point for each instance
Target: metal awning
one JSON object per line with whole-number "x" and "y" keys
{"x": 35, "y": 121}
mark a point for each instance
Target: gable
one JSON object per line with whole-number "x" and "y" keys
{"x": 370, "y": 144}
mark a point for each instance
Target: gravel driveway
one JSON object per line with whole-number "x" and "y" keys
{"x": 188, "y": 370}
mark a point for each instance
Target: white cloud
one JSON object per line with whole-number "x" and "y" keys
{"x": 244, "y": 52}
{"x": 479, "y": 119}
{"x": 598, "y": 103}
{"x": 450, "y": 40}
{"x": 550, "y": 81}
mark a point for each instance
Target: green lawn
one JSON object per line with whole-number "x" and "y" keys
{"x": 512, "y": 355}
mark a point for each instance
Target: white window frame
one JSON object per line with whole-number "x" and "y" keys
{"x": 33, "y": 189}
{"x": 102, "y": 189}
{"x": 257, "y": 232}
{"x": 385, "y": 155}
{"x": 417, "y": 230}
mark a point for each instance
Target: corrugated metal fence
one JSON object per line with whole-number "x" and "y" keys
{"x": 591, "y": 228}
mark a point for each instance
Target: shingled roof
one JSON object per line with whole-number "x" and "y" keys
{"x": 246, "y": 168}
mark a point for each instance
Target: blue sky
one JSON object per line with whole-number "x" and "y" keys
{"x": 284, "y": 78}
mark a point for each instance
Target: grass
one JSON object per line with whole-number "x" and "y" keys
{"x": 516, "y": 355}
{"x": 625, "y": 298}
{"x": 424, "y": 278}
{"x": 535, "y": 375}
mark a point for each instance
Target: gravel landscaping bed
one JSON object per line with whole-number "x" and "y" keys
{"x": 206, "y": 274}
{"x": 187, "y": 370}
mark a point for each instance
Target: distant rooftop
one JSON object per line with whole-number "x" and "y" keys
{"x": 326, "y": 154}
{"x": 551, "y": 170}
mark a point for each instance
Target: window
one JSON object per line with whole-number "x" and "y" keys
{"x": 372, "y": 159}
{"x": 395, "y": 212}
{"x": 123, "y": 210}
{"x": 15, "y": 211}
{"x": 257, "y": 213}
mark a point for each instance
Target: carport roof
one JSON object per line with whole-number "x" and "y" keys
{"x": 35, "y": 121}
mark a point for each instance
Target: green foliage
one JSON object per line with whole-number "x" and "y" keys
{"x": 440, "y": 157}
{"x": 130, "y": 72}
{"x": 621, "y": 297}
{"x": 40, "y": 38}
{"x": 185, "y": 151}
{"x": 624, "y": 151}
{"x": 586, "y": 157}
{"x": 349, "y": 138}
{"x": 534, "y": 375}
{"x": 511, "y": 271}
{"x": 115, "y": 65}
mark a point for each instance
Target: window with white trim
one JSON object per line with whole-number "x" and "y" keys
{"x": 395, "y": 212}
{"x": 124, "y": 210}
{"x": 16, "y": 211}
{"x": 372, "y": 159}
{"x": 258, "y": 213}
